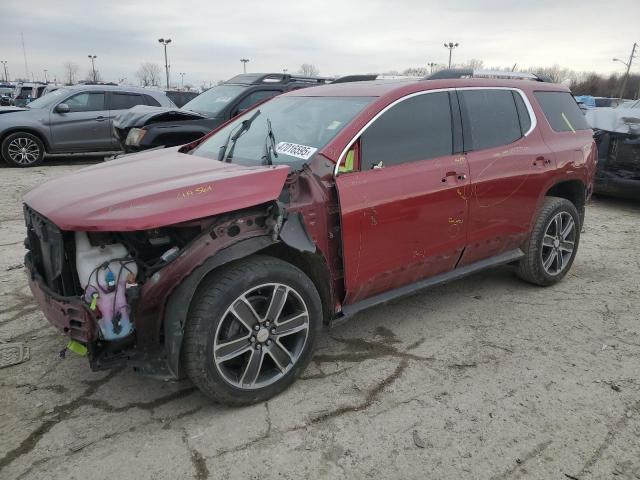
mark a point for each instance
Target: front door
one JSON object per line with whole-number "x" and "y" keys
{"x": 404, "y": 205}
{"x": 85, "y": 128}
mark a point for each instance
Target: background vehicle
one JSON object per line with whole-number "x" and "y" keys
{"x": 142, "y": 128}
{"x": 180, "y": 97}
{"x": 222, "y": 259}
{"x": 68, "y": 120}
{"x": 617, "y": 134}
{"x": 27, "y": 92}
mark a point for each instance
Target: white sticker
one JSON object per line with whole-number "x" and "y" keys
{"x": 295, "y": 150}
{"x": 333, "y": 125}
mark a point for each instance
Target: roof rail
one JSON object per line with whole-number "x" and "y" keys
{"x": 468, "y": 73}
{"x": 275, "y": 78}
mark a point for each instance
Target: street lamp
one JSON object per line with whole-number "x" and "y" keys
{"x": 244, "y": 64}
{"x": 450, "y": 46}
{"x": 285, "y": 70}
{"x": 621, "y": 61}
{"x": 182, "y": 74}
{"x": 165, "y": 42}
{"x": 431, "y": 65}
{"x": 93, "y": 66}
{"x": 4, "y": 65}
{"x": 628, "y": 65}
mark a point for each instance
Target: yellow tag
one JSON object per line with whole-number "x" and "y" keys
{"x": 77, "y": 348}
{"x": 94, "y": 300}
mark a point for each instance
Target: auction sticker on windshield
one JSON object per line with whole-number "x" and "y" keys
{"x": 295, "y": 150}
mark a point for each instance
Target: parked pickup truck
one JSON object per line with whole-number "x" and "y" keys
{"x": 222, "y": 259}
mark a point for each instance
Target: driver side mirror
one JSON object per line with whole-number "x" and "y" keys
{"x": 63, "y": 108}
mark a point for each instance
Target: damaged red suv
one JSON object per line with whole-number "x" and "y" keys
{"x": 221, "y": 260}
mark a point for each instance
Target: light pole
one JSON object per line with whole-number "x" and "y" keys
{"x": 450, "y": 46}
{"x": 46, "y": 80}
{"x": 165, "y": 42}
{"x": 285, "y": 70}
{"x": 244, "y": 64}
{"x": 93, "y": 66}
{"x": 182, "y": 74}
{"x": 431, "y": 65}
{"x": 628, "y": 65}
{"x": 4, "y": 65}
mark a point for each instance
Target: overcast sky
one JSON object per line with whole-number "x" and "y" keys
{"x": 338, "y": 36}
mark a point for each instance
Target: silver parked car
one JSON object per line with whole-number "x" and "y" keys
{"x": 69, "y": 120}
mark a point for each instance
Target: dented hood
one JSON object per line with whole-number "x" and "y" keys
{"x": 153, "y": 189}
{"x": 141, "y": 115}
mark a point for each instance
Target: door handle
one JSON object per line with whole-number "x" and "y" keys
{"x": 100, "y": 118}
{"x": 459, "y": 176}
{"x": 541, "y": 161}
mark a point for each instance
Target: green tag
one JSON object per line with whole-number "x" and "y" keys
{"x": 77, "y": 348}
{"x": 94, "y": 300}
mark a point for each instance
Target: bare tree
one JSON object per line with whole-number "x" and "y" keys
{"x": 309, "y": 70}
{"x": 415, "y": 72}
{"x": 70, "y": 72}
{"x": 148, "y": 74}
{"x": 475, "y": 64}
{"x": 93, "y": 77}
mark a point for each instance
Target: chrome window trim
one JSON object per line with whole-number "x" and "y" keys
{"x": 532, "y": 115}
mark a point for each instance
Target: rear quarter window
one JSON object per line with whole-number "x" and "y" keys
{"x": 562, "y": 111}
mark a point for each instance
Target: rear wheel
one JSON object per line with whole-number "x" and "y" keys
{"x": 251, "y": 330}
{"x": 22, "y": 149}
{"x": 553, "y": 244}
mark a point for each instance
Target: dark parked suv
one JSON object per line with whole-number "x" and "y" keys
{"x": 221, "y": 260}
{"x": 142, "y": 128}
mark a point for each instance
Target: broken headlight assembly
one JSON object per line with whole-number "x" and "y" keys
{"x": 135, "y": 136}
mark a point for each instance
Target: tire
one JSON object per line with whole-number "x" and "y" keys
{"x": 221, "y": 348}
{"x": 22, "y": 149}
{"x": 547, "y": 257}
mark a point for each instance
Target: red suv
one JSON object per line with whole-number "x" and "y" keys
{"x": 221, "y": 260}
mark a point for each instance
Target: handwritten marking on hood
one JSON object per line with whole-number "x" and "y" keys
{"x": 192, "y": 192}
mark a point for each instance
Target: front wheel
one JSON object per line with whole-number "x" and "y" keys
{"x": 553, "y": 244}
{"x": 251, "y": 330}
{"x": 22, "y": 149}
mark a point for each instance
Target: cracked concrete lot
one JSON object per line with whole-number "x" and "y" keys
{"x": 485, "y": 378}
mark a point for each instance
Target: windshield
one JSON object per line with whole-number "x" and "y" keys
{"x": 215, "y": 99}
{"x": 283, "y": 131}
{"x": 49, "y": 98}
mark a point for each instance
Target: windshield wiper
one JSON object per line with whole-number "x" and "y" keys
{"x": 269, "y": 146}
{"x": 226, "y": 151}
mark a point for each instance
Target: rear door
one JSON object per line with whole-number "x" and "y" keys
{"x": 85, "y": 128}
{"x": 510, "y": 165}
{"x": 403, "y": 205}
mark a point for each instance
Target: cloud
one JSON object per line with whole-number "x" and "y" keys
{"x": 340, "y": 37}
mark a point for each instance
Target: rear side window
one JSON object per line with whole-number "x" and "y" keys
{"x": 151, "y": 101}
{"x": 124, "y": 101}
{"x": 415, "y": 129}
{"x": 562, "y": 111}
{"x": 490, "y": 118}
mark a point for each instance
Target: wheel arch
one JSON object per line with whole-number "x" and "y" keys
{"x": 312, "y": 263}
{"x": 573, "y": 190}
{"x": 31, "y": 130}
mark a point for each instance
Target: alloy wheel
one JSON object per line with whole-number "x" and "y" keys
{"x": 261, "y": 336}
{"x": 558, "y": 243}
{"x": 23, "y": 151}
